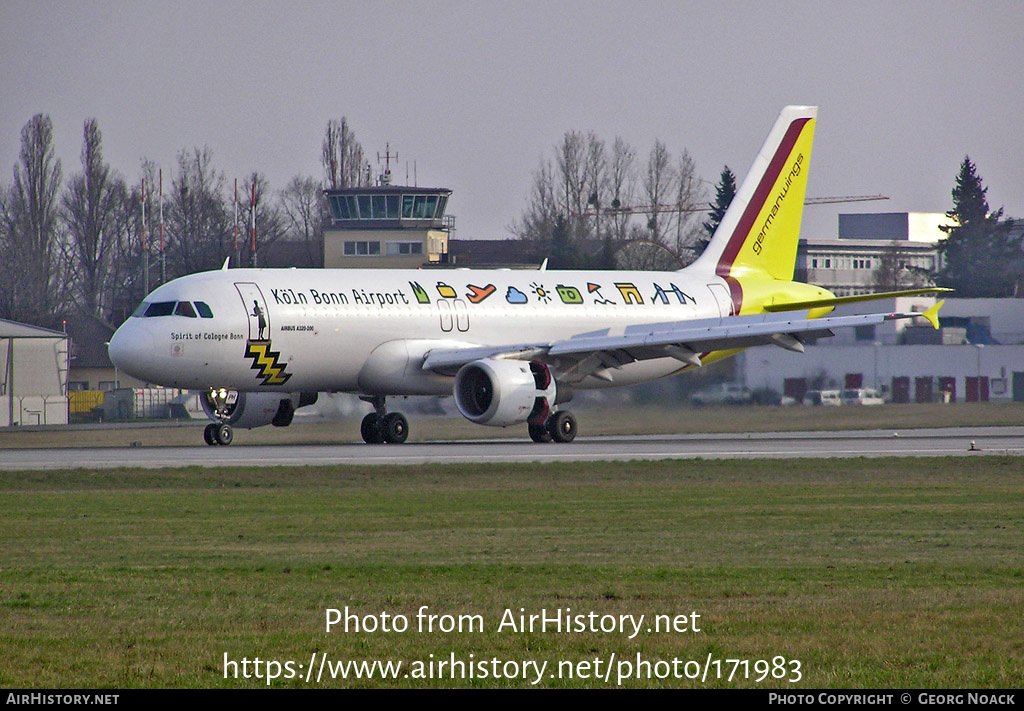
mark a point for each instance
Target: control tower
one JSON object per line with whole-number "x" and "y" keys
{"x": 386, "y": 226}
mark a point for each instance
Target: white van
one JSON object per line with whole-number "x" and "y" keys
{"x": 862, "y": 396}
{"x": 822, "y": 397}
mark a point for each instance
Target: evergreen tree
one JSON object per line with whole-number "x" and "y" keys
{"x": 563, "y": 250}
{"x": 980, "y": 257}
{"x": 725, "y": 191}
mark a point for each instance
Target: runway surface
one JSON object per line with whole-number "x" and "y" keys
{"x": 977, "y": 441}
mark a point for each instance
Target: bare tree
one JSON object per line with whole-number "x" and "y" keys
{"x": 572, "y": 177}
{"x": 127, "y": 285}
{"x": 197, "y": 225}
{"x": 894, "y": 270}
{"x": 566, "y": 200}
{"x": 342, "y": 156}
{"x": 659, "y": 188}
{"x": 264, "y": 224}
{"x": 639, "y": 253}
{"x": 542, "y": 207}
{"x": 621, "y": 186}
{"x": 673, "y": 197}
{"x": 689, "y": 204}
{"x": 91, "y": 204}
{"x": 35, "y": 273}
{"x": 582, "y": 204}
{"x": 303, "y": 212}
{"x": 8, "y": 257}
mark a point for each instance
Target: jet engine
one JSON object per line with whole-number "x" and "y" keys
{"x": 504, "y": 392}
{"x": 248, "y": 410}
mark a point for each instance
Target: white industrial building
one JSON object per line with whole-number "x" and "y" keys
{"x": 847, "y": 265}
{"x": 33, "y": 381}
{"x": 977, "y": 355}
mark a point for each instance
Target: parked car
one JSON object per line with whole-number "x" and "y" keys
{"x": 722, "y": 394}
{"x": 862, "y": 396}
{"x": 822, "y": 397}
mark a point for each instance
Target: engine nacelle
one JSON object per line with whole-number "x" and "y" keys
{"x": 503, "y": 392}
{"x": 248, "y": 410}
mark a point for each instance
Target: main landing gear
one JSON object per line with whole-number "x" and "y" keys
{"x": 559, "y": 427}
{"x": 218, "y": 433}
{"x": 382, "y": 427}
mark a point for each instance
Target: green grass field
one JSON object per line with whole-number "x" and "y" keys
{"x": 869, "y": 572}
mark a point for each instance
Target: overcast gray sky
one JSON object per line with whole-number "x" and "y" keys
{"x": 476, "y": 93}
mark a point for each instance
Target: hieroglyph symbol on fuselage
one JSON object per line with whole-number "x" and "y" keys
{"x": 543, "y": 295}
{"x": 419, "y": 292}
{"x": 595, "y": 289}
{"x": 477, "y": 294}
{"x": 662, "y": 294}
{"x": 514, "y": 296}
{"x": 630, "y": 294}
{"x": 569, "y": 294}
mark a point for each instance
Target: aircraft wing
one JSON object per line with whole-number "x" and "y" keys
{"x": 596, "y": 352}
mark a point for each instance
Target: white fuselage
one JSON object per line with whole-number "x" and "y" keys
{"x": 369, "y": 330}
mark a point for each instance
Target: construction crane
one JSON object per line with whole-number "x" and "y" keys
{"x": 658, "y": 209}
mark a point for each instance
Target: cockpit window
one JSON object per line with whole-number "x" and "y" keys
{"x": 175, "y": 308}
{"x": 160, "y": 308}
{"x": 185, "y": 309}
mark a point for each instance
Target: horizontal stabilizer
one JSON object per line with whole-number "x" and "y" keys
{"x": 838, "y": 300}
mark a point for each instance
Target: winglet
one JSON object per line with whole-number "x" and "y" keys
{"x": 226, "y": 261}
{"x": 932, "y": 315}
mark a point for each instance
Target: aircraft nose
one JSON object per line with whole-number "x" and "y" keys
{"x": 131, "y": 348}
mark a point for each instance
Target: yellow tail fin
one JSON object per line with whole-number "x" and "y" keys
{"x": 758, "y": 235}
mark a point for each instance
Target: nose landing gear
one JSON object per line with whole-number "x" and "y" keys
{"x": 218, "y": 433}
{"x": 219, "y": 405}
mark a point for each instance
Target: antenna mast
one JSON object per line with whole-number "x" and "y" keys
{"x": 163, "y": 257}
{"x": 385, "y": 178}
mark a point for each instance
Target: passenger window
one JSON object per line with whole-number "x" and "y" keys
{"x": 185, "y": 309}
{"x": 203, "y": 309}
{"x": 160, "y": 308}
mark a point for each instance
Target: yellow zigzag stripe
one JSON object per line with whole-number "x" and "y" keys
{"x": 265, "y": 361}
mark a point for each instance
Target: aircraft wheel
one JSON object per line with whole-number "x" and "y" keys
{"x": 371, "y": 429}
{"x": 539, "y": 434}
{"x": 224, "y": 434}
{"x": 562, "y": 426}
{"x": 210, "y": 434}
{"x": 395, "y": 428}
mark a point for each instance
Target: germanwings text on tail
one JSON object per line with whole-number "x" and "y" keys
{"x": 512, "y": 347}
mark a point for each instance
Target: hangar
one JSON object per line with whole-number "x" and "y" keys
{"x": 33, "y": 375}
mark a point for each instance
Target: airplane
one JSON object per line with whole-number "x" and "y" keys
{"x": 511, "y": 346}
